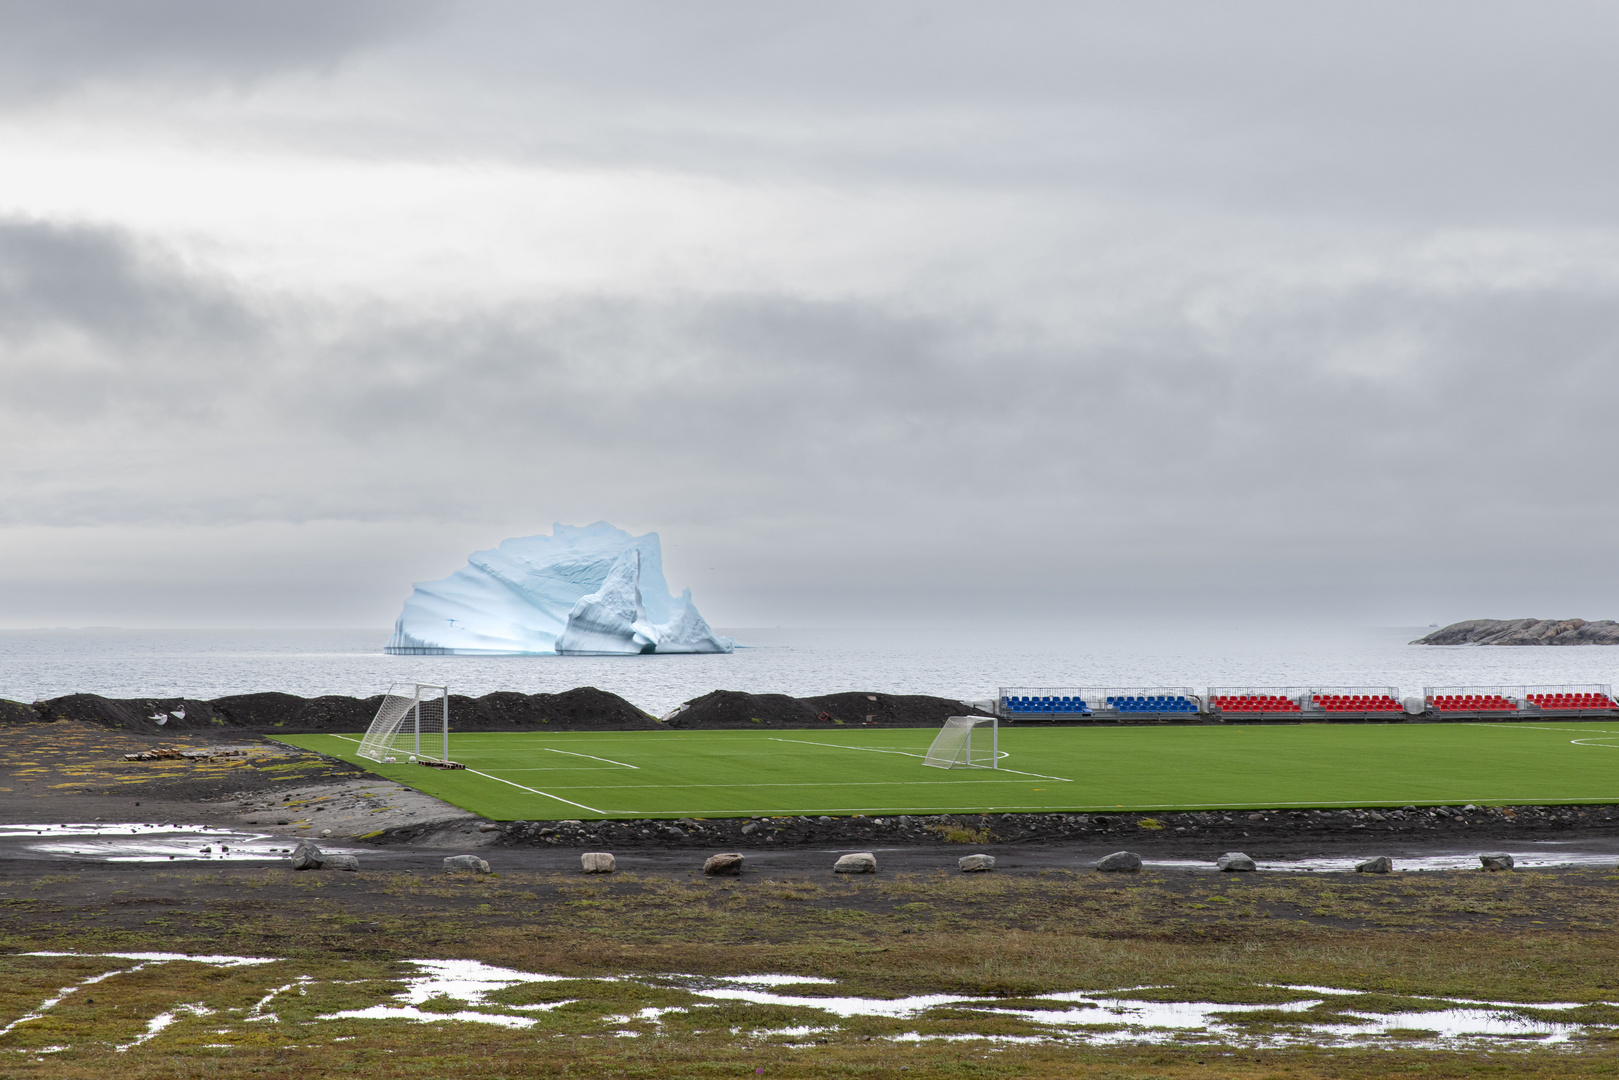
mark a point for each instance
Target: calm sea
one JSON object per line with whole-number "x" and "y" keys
{"x": 957, "y": 663}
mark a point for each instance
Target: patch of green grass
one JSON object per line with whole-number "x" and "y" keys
{"x": 553, "y": 775}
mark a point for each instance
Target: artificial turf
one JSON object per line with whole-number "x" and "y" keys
{"x": 560, "y": 775}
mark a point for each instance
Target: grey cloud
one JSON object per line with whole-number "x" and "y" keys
{"x": 94, "y": 323}
{"x": 1438, "y": 112}
{"x": 48, "y": 47}
{"x": 872, "y": 447}
{"x": 105, "y": 283}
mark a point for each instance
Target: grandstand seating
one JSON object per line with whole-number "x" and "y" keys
{"x": 1471, "y": 703}
{"x": 1573, "y": 701}
{"x": 1161, "y": 703}
{"x": 1045, "y": 706}
{"x": 1355, "y": 703}
{"x": 1255, "y": 703}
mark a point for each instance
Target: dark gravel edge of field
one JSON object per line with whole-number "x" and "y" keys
{"x": 1198, "y": 830}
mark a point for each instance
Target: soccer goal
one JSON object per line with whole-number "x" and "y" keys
{"x": 411, "y": 713}
{"x": 953, "y": 747}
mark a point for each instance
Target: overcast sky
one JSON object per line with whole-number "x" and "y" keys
{"x": 882, "y": 313}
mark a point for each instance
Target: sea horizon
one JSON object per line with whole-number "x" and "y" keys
{"x": 966, "y": 663}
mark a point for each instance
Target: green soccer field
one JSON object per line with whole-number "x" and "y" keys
{"x": 523, "y": 776}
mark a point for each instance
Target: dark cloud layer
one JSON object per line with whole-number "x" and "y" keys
{"x": 1257, "y": 307}
{"x": 869, "y": 450}
{"x": 48, "y": 47}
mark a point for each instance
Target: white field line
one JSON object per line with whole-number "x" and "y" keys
{"x": 563, "y": 768}
{"x": 1540, "y": 727}
{"x": 523, "y": 787}
{"x": 1355, "y": 803}
{"x": 907, "y": 753}
{"x": 791, "y": 784}
{"x": 592, "y": 757}
{"x": 537, "y": 791}
{"x": 1100, "y": 808}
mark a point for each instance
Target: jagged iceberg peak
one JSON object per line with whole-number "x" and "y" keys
{"x": 591, "y": 589}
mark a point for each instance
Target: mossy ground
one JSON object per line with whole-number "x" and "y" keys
{"x": 1524, "y": 937}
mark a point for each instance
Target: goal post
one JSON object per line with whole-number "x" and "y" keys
{"x": 411, "y": 716}
{"x": 953, "y": 747}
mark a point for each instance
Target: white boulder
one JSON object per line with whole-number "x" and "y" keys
{"x": 1235, "y": 862}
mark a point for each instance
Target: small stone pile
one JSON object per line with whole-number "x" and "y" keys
{"x": 171, "y": 753}
{"x": 157, "y": 753}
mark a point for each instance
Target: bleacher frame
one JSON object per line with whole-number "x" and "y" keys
{"x": 1520, "y": 695}
{"x": 1079, "y": 704}
{"x": 1293, "y": 693}
{"x": 1311, "y": 709}
{"x": 1096, "y": 705}
{"x": 1514, "y": 694}
{"x": 1051, "y": 696}
{"x": 1530, "y": 708}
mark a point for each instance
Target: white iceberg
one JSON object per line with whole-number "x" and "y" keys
{"x": 591, "y": 590}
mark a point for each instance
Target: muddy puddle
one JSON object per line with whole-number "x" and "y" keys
{"x": 132, "y": 842}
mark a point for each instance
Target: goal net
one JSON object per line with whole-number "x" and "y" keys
{"x": 412, "y": 723}
{"x": 953, "y": 747}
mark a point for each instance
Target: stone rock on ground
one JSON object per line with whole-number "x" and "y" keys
{"x": 1120, "y": 862}
{"x": 1501, "y": 861}
{"x": 597, "y": 862}
{"x": 727, "y": 863}
{"x": 1380, "y": 865}
{"x": 1235, "y": 862}
{"x": 341, "y": 862}
{"x": 863, "y": 862}
{"x": 972, "y": 864}
{"x": 306, "y": 856}
{"x": 465, "y": 862}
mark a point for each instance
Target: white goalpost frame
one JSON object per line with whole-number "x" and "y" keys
{"x": 953, "y": 747}
{"x": 399, "y": 706}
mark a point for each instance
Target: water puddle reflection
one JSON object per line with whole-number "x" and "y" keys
{"x": 463, "y": 991}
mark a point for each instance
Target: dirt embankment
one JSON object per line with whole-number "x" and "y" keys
{"x": 582, "y": 709}
{"x": 733, "y": 709}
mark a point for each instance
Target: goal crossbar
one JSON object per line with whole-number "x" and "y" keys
{"x": 410, "y": 711}
{"x": 953, "y": 747}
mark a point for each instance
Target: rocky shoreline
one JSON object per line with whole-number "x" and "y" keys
{"x": 1525, "y": 632}
{"x": 584, "y": 708}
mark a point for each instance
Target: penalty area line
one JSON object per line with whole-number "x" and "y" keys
{"x": 513, "y": 783}
{"x": 536, "y": 791}
{"x": 593, "y": 757}
{"x": 907, "y": 753}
